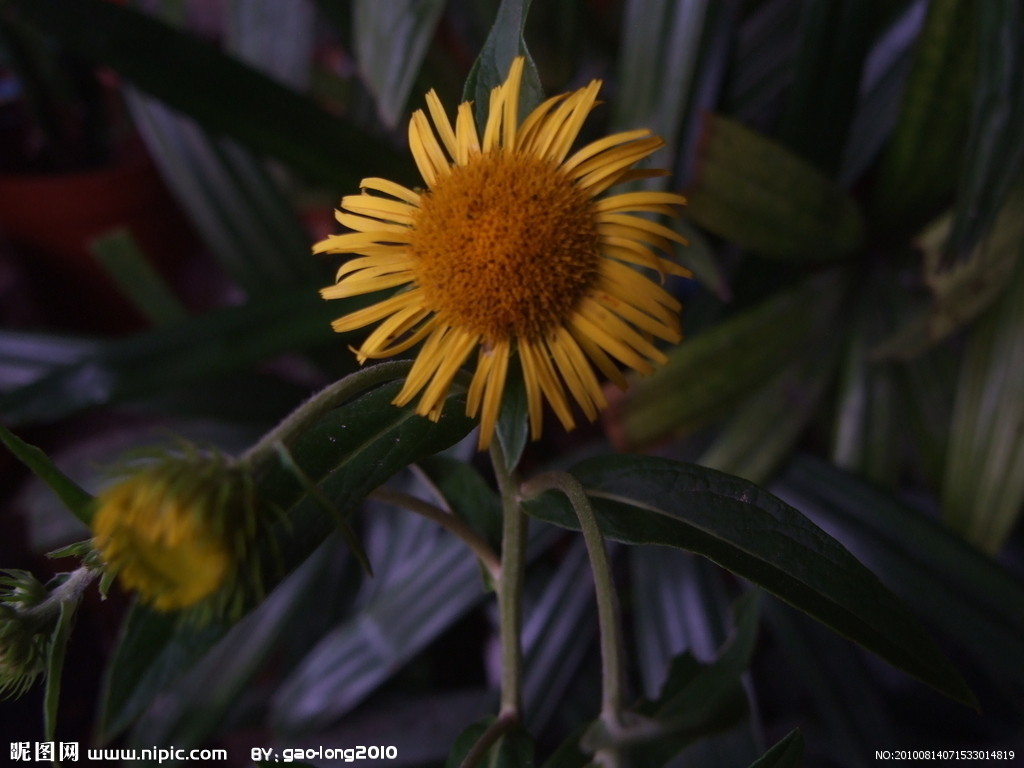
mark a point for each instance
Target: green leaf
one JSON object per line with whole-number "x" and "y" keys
{"x": 700, "y": 699}
{"x": 759, "y": 195}
{"x": 139, "y": 282}
{"x": 55, "y": 665}
{"x": 787, "y": 753}
{"x": 200, "y": 698}
{"x": 234, "y": 99}
{"x": 667, "y": 620}
{"x": 994, "y": 154}
{"x": 504, "y": 42}
{"x": 833, "y": 677}
{"x": 660, "y": 37}
{"x": 468, "y": 495}
{"x": 834, "y": 39}
{"x": 960, "y": 293}
{"x": 983, "y": 492}
{"x": 27, "y": 356}
{"x": 350, "y": 451}
{"x": 513, "y": 427}
{"x": 236, "y": 206}
{"x": 755, "y": 535}
{"x": 762, "y": 431}
{"x": 560, "y": 633}
{"x": 708, "y": 376}
{"x": 425, "y": 581}
{"x": 391, "y": 40}
{"x": 961, "y": 592}
{"x": 568, "y": 754}
{"x": 177, "y": 355}
{"x": 914, "y": 178}
{"x": 347, "y": 453}
{"x": 883, "y": 85}
{"x": 512, "y": 750}
{"x": 152, "y": 652}
{"x": 69, "y": 492}
{"x": 868, "y": 427}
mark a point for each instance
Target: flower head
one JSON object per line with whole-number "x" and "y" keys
{"x": 511, "y": 251}
{"x": 24, "y": 638}
{"x": 176, "y": 529}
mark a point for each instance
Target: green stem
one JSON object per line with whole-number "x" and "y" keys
{"x": 510, "y": 587}
{"x": 323, "y": 401}
{"x": 488, "y": 739}
{"x": 447, "y": 520}
{"x": 607, "y": 599}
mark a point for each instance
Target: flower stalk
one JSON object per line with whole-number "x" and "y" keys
{"x": 510, "y": 586}
{"x": 608, "y": 613}
{"x": 447, "y": 520}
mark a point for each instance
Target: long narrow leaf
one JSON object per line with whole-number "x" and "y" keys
{"x": 757, "y": 536}
{"x": 962, "y": 593}
{"x": 223, "y": 94}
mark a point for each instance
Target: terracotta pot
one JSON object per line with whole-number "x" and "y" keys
{"x": 53, "y": 219}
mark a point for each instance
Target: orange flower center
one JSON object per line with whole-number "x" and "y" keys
{"x": 505, "y": 246}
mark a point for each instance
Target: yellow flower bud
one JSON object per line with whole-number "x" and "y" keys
{"x": 175, "y": 529}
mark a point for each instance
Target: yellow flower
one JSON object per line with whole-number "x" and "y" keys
{"x": 174, "y": 530}
{"x": 510, "y": 251}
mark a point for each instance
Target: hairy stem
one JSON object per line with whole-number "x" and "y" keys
{"x": 607, "y": 599}
{"x": 510, "y": 587}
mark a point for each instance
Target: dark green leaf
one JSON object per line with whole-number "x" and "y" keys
{"x": 490, "y": 69}
{"x": 852, "y": 712}
{"x": 391, "y": 40}
{"x": 348, "y": 452}
{"x": 700, "y": 699}
{"x": 708, "y": 376}
{"x": 886, "y": 69}
{"x": 468, "y": 495}
{"x": 138, "y": 280}
{"x": 55, "y": 665}
{"x": 759, "y": 195}
{"x": 755, "y": 535}
{"x": 201, "y": 697}
{"x": 234, "y": 99}
{"x": 236, "y": 206}
{"x": 26, "y": 357}
{"x": 153, "y": 651}
{"x": 962, "y": 593}
{"x": 176, "y": 355}
{"x": 513, "y": 427}
{"x": 73, "y": 497}
{"x": 834, "y": 39}
{"x": 569, "y": 754}
{"x": 994, "y": 154}
{"x": 664, "y": 37}
{"x": 983, "y": 493}
{"x": 962, "y": 292}
{"x": 763, "y": 429}
{"x": 667, "y": 620}
{"x": 425, "y": 581}
{"x": 561, "y": 631}
{"x": 787, "y": 753}
{"x": 512, "y": 750}
{"x": 914, "y": 178}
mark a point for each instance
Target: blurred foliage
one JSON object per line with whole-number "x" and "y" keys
{"x": 855, "y": 171}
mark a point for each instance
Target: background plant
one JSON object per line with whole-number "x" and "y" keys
{"x": 853, "y": 171}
